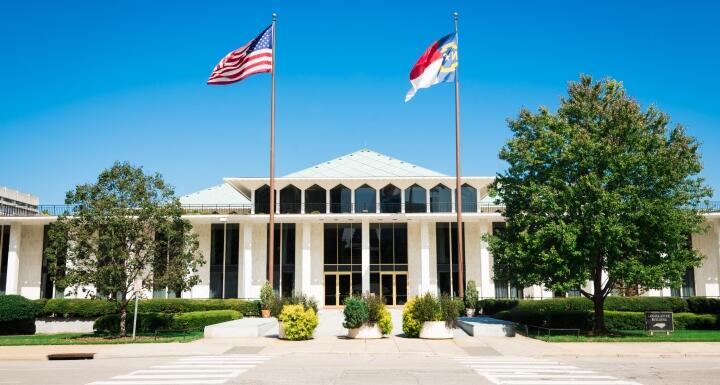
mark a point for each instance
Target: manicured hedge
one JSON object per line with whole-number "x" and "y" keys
{"x": 93, "y": 308}
{"x": 642, "y": 304}
{"x": 493, "y": 306}
{"x": 151, "y": 322}
{"x": 17, "y": 315}
{"x": 612, "y": 303}
{"x": 704, "y": 305}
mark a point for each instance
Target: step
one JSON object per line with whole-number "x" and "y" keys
{"x": 486, "y": 327}
{"x": 246, "y": 327}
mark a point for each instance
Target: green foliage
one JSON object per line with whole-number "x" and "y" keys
{"x": 411, "y": 325}
{"x": 128, "y": 224}
{"x": 427, "y": 308}
{"x": 471, "y": 295}
{"x": 673, "y": 304}
{"x": 17, "y": 327}
{"x": 93, "y": 308}
{"x": 85, "y": 308}
{"x": 492, "y": 306}
{"x": 277, "y": 303}
{"x": 266, "y": 295}
{"x": 385, "y": 321}
{"x": 598, "y": 187}
{"x": 451, "y": 309}
{"x": 375, "y": 306}
{"x": 298, "y": 322}
{"x": 704, "y": 305}
{"x": 356, "y": 312}
{"x": 571, "y": 319}
{"x": 16, "y": 308}
{"x": 151, "y": 322}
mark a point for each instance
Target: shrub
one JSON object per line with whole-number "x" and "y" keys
{"x": 16, "y": 308}
{"x": 197, "y": 320}
{"x": 411, "y": 325}
{"x": 298, "y": 322}
{"x": 691, "y": 321}
{"x": 492, "y": 306}
{"x": 471, "y": 295}
{"x": 266, "y": 295}
{"x": 451, "y": 309}
{"x": 180, "y": 305}
{"x": 375, "y": 306}
{"x": 72, "y": 307}
{"x": 356, "y": 313}
{"x": 427, "y": 308}
{"x": 151, "y": 322}
{"x": 277, "y": 303}
{"x": 576, "y": 319}
{"x": 624, "y": 320}
{"x": 642, "y": 304}
{"x": 704, "y": 305}
{"x": 385, "y": 321}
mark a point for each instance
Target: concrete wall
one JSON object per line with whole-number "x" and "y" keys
{"x": 202, "y": 290}
{"x": 707, "y": 275}
{"x": 30, "y": 261}
{"x": 414, "y": 260}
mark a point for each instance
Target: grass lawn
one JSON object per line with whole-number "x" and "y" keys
{"x": 93, "y": 339}
{"x": 640, "y": 336}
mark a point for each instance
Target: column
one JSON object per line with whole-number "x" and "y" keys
{"x": 13, "y": 264}
{"x": 377, "y": 200}
{"x": 427, "y": 200}
{"x": 327, "y": 201}
{"x": 487, "y": 285}
{"x": 452, "y": 200}
{"x": 252, "y": 201}
{"x": 424, "y": 258}
{"x": 365, "y": 233}
{"x": 402, "y": 200}
{"x": 306, "y": 258}
{"x": 247, "y": 263}
{"x": 302, "y": 201}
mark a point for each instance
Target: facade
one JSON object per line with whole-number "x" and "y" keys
{"x": 364, "y": 222}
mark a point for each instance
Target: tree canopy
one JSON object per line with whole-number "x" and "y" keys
{"x": 598, "y": 191}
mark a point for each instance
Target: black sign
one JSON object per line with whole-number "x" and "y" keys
{"x": 659, "y": 321}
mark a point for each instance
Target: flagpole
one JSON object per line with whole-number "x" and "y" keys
{"x": 458, "y": 187}
{"x": 271, "y": 229}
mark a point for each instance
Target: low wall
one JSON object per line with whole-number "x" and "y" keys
{"x": 53, "y": 325}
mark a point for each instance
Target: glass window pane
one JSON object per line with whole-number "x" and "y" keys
{"x": 315, "y": 200}
{"x": 415, "y": 199}
{"x": 390, "y": 199}
{"x": 400, "y": 242}
{"x": 344, "y": 244}
{"x": 357, "y": 283}
{"x": 440, "y": 199}
{"x": 217, "y": 247}
{"x": 330, "y": 288}
{"x": 401, "y": 283}
{"x": 290, "y": 200}
{"x": 386, "y": 243}
{"x": 374, "y": 244}
{"x": 262, "y": 200}
{"x": 469, "y": 198}
{"x": 356, "y": 244}
{"x": 375, "y": 283}
{"x": 340, "y": 201}
{"x": 288, "y": 240}
{"x": 330, "y": 246}
{"x": 365, "y": 199}
{"x": 232, "y": 257}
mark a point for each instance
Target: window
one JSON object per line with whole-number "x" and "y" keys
{"x": 365, "y": 199}
{"x": 290, "y": 200}
{"x": 224, "y": 260}
{"x": 688, "y": 285}
{"x": 340, "y": 199}
{"x": 415, "y": 199}
{"x": 284, "y": 259}
{"x": 447, "y": 258}
{"x": 440, "y": 199}
{"x": 343, "y": 255}
{"x": 390, "y": 199}
{"x": 388, "y": 255}
{"x": 503, "y": 289}
{"x": 315, "y": 200}
{"x": 4, "y": 250}
{"x": 262, "y": 200}
{"x": 469, "y": 198}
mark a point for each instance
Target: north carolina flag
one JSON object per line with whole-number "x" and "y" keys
{"x": 436, "y": 65}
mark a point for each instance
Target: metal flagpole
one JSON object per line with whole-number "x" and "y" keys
{"x": 271, "y": 230}
{"x": 458, "y": 187}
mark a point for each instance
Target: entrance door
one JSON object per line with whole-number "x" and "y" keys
{"x": 338, "y": 286}
{"x": 393, "y": 288}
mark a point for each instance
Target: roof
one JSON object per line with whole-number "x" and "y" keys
{"x": 223, "y": 194}
{"x": 364, "y": 163}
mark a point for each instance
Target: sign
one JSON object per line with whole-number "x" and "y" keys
{"x": 659, "y": 321}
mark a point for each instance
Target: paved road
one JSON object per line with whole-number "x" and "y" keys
{"x": 347, "y": 369}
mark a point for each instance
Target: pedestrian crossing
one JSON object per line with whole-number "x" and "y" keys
{"x": 527, "y": 371}
{"x": 197, "y": 370}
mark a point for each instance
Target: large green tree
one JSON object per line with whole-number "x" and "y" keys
{"x": 126, "y": 226}
{"x": 599, "y": 191}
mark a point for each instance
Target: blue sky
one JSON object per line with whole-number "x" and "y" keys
{"x": 86, "y": 83}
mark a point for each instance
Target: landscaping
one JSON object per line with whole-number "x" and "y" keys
{"x": 94, "y": 339}
{"x": 367, "y": 317}
{"x": 635, "y": 336}
{"x": 297, "y": 322}
{"x": 431, "y": 317}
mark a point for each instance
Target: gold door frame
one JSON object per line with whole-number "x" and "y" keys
{"x": 394, "y": 274}
{"x": 337, "y": 275}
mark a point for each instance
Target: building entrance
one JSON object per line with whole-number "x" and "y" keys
{"x": 338, "y": 286}
{"x": 393, "y": 288}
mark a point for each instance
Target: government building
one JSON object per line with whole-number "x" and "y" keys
{"x": 364, "y": 222}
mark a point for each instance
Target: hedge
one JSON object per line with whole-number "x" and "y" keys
{"x": 93, "y": 308}
{"x": 612, "y": 303}
{"x": 17, "y": 315}
{"x": 704, "y": 305}
{"x": 151, "y": 322}
{"x": 493, "y": 306}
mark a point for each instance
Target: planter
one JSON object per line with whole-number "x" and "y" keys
{"x": 469, "y": 312}
{"x": 435, "y": 330}
{"x": 265, "y": 313}
{"x": 281, "y": 331}
{"x": 365, "y": 332}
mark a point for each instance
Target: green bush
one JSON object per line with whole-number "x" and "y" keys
{"x": 385, "y": 321}
{"x": 179, "y": 305}
{"x": 451, "y": 309}
{"x": 151, "y": 322}
{"x": 72, "y": 307}
{"x": 17, "y": 327}
{"x": 266, "y": 295}
{"x": 692, "y": 321}
{"x": 492, "y": 306}
{"x": 574, "y": 319}
{"x": 471, "y": 295}
{"x": 298, "y": 322}
{"x": 643, "y": 304}
{"x": 375, "y": 305}
{"x": 355, "y": 312}
{"x": 411, "y": 326}
{"x": 702, "y": 305}
{"x": 624, "y": 320}
{"x": 16, "y": 308}
{"x": 277, "y": 303}
{"x": 427, "y": 308}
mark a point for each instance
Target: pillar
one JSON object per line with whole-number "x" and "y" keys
{"x": 302, "y": 201}
{"x": 424, "y": 258}
{"x": 305, "y": 278}
{"x": 365, "y": 233}
{"x": 487, "y": 285}
{"x": 247, "y": 263}
{"x": 13, "y": 264}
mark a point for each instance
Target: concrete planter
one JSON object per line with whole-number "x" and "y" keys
{"x": 281, "y": 331}
{"x": 366, "y": 332}
{"x": 435, "y": 330}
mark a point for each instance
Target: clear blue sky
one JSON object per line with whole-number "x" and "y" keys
{"x": 86, "y": 83}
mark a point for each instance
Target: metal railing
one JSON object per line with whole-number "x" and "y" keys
{"x": 311, "y": 208}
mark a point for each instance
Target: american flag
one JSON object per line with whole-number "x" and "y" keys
{"x": 252, "y": 58}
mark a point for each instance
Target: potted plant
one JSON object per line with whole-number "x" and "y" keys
{"x": 366, "y": 317}
{"x": 438, "y": 317}
{"x": 266, "y": 298}
{"x": 297, "y": 322}
{"x": 471, "y": 298}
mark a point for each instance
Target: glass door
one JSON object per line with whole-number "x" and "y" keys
{"x": 330, "y": 289}
{"x": 401, "y": 285}
{"x": 386, "y": 288}
{"x": 344, "y": 288}
{"x": 338, "y": 286}
{"x": 393, "y": 288}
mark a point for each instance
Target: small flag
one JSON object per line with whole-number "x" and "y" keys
{"x": 253, "y": 58}
{"x": 436, "y": 65}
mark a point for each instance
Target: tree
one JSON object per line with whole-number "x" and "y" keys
{"x": 124, "y": 227}
{"x": 599, "y": 191}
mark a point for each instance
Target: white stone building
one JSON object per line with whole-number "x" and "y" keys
{"x": 361, "y": 222}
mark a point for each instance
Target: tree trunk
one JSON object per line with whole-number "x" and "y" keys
{"x": 599, "y": 302}
{"x": 123, "y": 318}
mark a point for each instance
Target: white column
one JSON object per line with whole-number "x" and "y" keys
{"x": 302, "y": 201}
{"x": 427, "y": 200}
{"x": 365, "y": 233}
{"x": 247, "y": 265}
{"x": 327, "y": 201}
{"x": 487, "y": 285}
{"x": 306, "y": 258}
{"x": 452, "y": 200}
{"x": 252, "y": 201}
{"x": 424, "y": 258}
{"x": 13, "y": 264}
{"x": 377, "y": 200}
{"x": 402, "y": 200}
